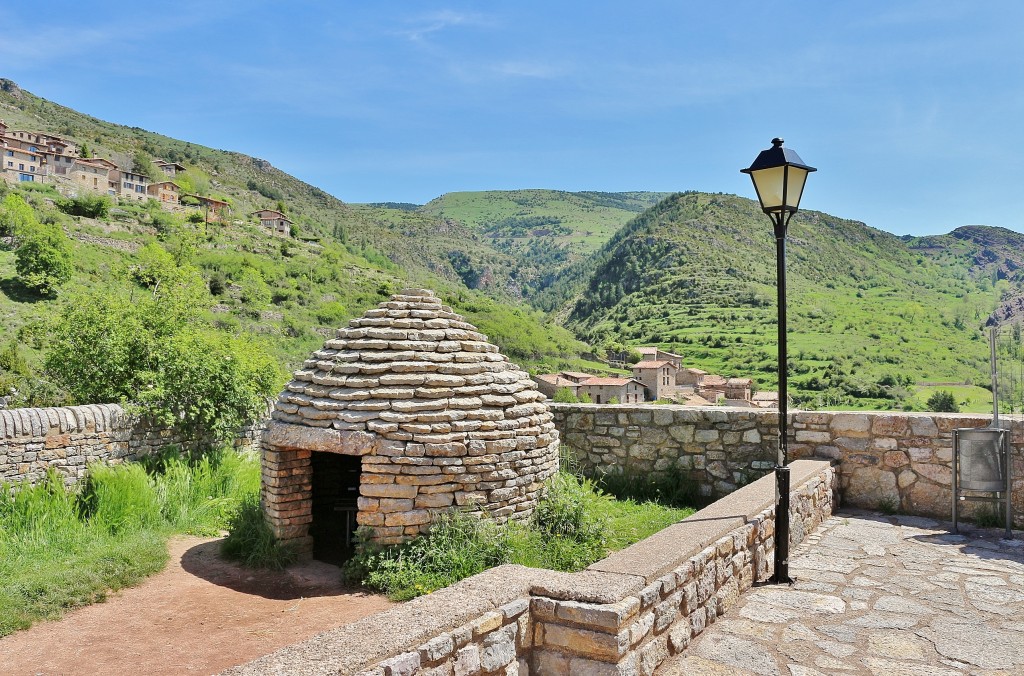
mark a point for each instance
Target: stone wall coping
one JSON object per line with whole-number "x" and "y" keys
{"x": 667, "y": 549}
{"x": 764, "y": 412}
{"x": 34, "y": 422}
{"x": 360, "y": 644}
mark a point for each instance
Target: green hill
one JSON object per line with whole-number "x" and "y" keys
{"x": 870, "y": 313}
{"x": 544, "y": 231}
{"x": 289, "y": 292}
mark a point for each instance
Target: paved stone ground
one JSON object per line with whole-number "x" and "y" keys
{"x": 880, "y": 595}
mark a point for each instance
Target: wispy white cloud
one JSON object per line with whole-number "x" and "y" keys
{"x": 421, "y": 26}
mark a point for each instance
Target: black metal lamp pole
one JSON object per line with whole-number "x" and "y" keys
{"x": 779, "y": 176}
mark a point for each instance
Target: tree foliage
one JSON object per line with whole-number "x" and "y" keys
{"x": 43, "y": 259}
{"x": 151, "y": 352}
{"x": 88, "y": 205}
{"x": 16, "y": 216}
{"x": 943, "y": 401}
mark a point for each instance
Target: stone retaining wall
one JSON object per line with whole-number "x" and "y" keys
{"x": 897, "y": 461}
{"x": 623, "y": 615}
{"x": 719, "y": 448}
{"x": 69, "y": 438}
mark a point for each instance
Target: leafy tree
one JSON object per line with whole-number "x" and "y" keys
{"x": 563, "y": 395}
{"x": 16, "y": 216}
{"x": 152, "y": 354}
{"x": 943, "y": 401}
{"x": 43, "y": 259}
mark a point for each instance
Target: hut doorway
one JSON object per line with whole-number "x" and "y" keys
{"x": 335, "y": 504}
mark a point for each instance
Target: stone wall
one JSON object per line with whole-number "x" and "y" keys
{"x": 898, "y": 461}
{"x": 623, "y": 615}
{"x": 69, "y": 438}
{"x": 718, "y": 448}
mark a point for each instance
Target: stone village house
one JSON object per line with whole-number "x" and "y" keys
{"x": 658, "y": 377}
{"x": 601, "y": 390}
{"x": 277, "y": 222}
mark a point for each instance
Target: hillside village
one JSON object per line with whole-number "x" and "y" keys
{"x": 40, "y": 158}
{"x": 658, "y": 376}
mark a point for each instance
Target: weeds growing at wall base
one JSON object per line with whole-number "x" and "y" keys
{"x": 61, "y": 548}
{"x": 574, "y": 525}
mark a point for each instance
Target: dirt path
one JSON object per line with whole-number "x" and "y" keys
{"x": 200, "y": 615}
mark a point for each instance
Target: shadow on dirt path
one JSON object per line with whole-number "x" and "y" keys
{"x": 201, "y": 614}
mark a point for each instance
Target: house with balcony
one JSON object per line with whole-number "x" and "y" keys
{"x": 23, "y": 166}
{"x": 213, "y": 209}
{"x": 277, "y": 222}
{"x": 169, "y": 168}
{"x": 133, "y": 186}
{"x": 167, "y": 193}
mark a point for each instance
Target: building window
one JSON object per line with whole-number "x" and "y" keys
{"x": 21, "y": 167}
{"x": 597, "y": 399}
{"x": 26, "y": 177}
{"x": 10, "y": 153}
{"x": 127, "y": 185}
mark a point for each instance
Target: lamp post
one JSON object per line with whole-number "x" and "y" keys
{"x": 779, "y": 176}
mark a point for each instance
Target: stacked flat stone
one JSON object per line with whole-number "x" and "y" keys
{"x": 439, "y": 416}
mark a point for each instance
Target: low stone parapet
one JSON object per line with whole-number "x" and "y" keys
{"x": 622, "y": 615}
{"x": 892, "y": 461}
{"x": 69, "y": 438}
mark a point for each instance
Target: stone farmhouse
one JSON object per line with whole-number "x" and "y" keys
{"x": 658, "y": 377}
{"x": 694, "y": 386}
{"x": 277, "y": 222}
{"x": 600, "y": 389}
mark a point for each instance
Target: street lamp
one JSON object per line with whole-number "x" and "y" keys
{"x": 779, "y": 176}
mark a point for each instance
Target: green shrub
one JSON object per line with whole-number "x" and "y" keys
{"x": 943, "y": 401}
{"x": 43, "y": 259}
{"x": 458, "y": 545}
{"x": 88, "y": 205}
{"x": 673, "y": 489}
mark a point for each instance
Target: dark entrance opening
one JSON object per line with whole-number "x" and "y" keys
{"x": 335, "y": 498}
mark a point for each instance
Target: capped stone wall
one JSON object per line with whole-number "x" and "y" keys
{"x": 439, "y": 416}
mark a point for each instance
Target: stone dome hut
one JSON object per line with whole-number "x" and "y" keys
{"x": 408, "y": 412}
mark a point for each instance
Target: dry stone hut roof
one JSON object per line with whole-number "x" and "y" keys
{"x": 438, "y": 414}
{"x": 412, "y": 357}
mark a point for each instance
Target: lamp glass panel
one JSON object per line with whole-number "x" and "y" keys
{"x": 796, "y": 179}
{"x": 768, "y": 183}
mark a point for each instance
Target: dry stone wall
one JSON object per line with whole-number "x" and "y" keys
{"x": 68, "y": 439}
{"x": 899, "y": 461}
{"x": 718, "y": 448}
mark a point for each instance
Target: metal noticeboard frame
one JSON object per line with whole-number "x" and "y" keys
{"x": 985, "y": 467}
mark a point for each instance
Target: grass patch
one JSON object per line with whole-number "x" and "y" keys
{"x": 251, "y": 541}
{"x": 61, "y": 548}
{"x": 574, "y": 525}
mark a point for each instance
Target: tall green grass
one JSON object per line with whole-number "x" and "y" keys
{"x": 574, "y": 525}
{"x": 61, "y": 547}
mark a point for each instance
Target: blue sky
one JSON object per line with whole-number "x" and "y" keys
{"x": 912, "y": 111}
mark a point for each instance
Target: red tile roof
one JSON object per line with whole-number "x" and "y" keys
{"x": 613, "y": 382}
{"x": 653, "y": 364}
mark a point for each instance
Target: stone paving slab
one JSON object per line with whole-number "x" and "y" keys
{"x": 879, "y": 595}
